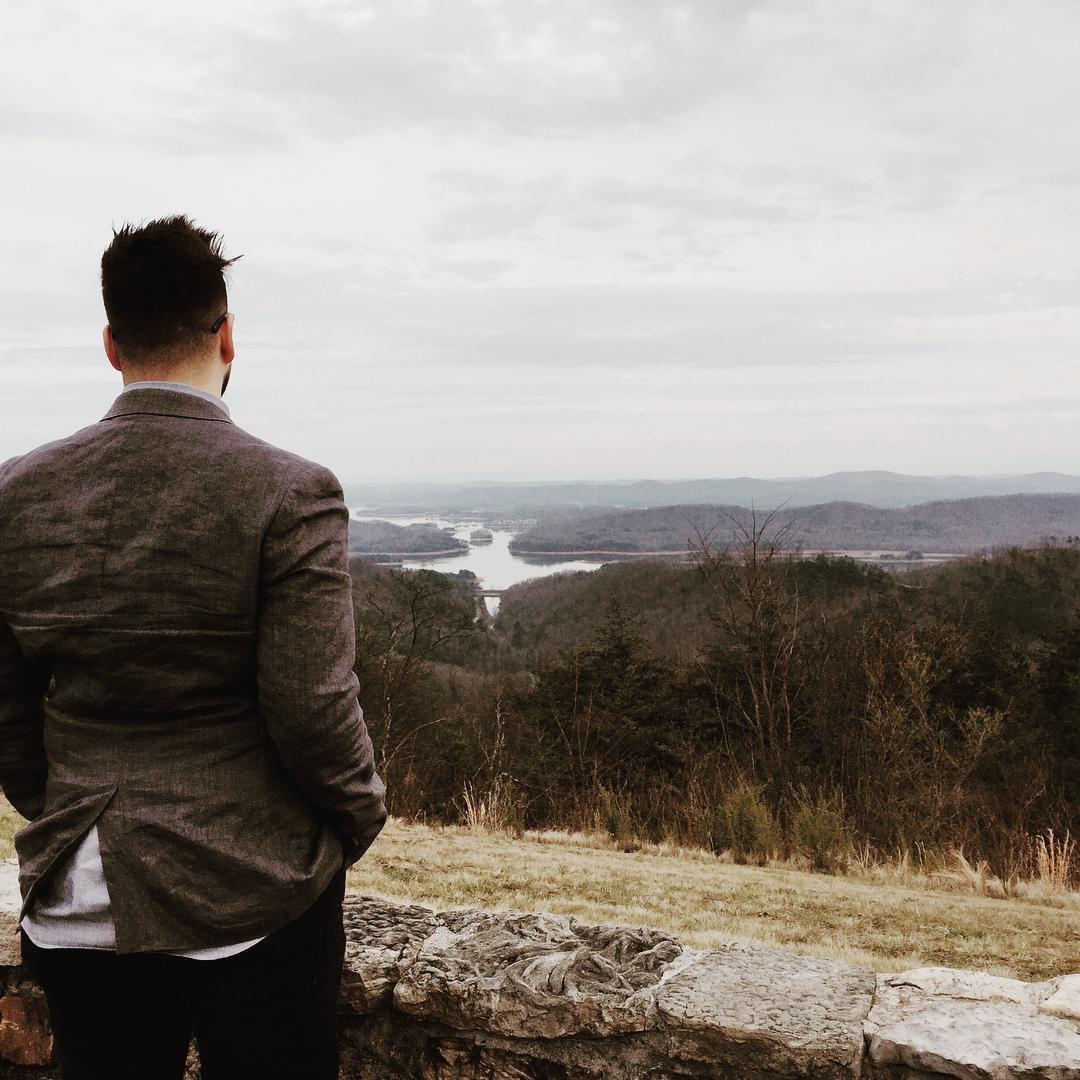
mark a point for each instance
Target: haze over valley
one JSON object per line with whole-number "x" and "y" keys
{"x": 873, "y": 487}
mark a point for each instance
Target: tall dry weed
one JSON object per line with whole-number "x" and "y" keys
{"x": 977, "y": 876}
{"x": 1054, "y": 861}
{"x": 492, "y": 811}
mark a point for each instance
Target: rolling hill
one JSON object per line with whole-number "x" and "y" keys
{"x": 946, "y": 526}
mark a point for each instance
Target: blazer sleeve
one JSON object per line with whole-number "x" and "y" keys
{"x": 305, "y": 652}
{"x": 24, "y": 767}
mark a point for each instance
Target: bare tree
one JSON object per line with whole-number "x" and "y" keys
{"x": 404, "y": 622}
{"x": 752, "y": 674}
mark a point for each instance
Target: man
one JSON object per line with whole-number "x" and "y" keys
{"x": 178, "y": 708}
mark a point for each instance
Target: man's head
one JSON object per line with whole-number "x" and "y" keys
{"x": 163, "y": 284}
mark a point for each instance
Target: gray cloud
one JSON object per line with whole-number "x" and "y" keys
{"x": 761, "y": 236}
{"x": 512, "y": 68}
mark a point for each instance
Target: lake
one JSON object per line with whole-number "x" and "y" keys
{"x": 493, "y": 564}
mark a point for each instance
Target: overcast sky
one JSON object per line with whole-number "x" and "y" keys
{"x": 574, "y": 238}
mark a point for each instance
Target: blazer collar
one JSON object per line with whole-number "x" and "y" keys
{"x": 157, "y": 401}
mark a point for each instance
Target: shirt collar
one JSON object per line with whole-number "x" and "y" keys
{"x": 181, "y": 387}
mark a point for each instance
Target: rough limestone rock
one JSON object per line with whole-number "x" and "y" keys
{"x": 548, "y": 976}
{"x": 10, "y": 903}
{"x": 921, "y": 983}
{"x": 980, "y": 1042}
{"x": 764, "y": 1013}
{"x": 381, "y": 942}
{"x": 1064, "y": 998}
{"x": 973, "y": 1026}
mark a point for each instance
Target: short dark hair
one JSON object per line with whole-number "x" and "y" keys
{"x": 163, "y": 284}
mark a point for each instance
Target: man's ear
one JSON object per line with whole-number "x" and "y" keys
{"x": 110, "y": 348}
{"x": 225, "y": 341}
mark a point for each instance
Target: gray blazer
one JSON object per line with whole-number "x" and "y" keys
{"x": 176, "y": 665}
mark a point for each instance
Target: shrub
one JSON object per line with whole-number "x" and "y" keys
{"x": 820, "y": 832}
{"x": 616, "y": 818}
{"x": 743, "y": 824}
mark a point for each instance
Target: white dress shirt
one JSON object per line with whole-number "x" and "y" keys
{"x": 72, "y": 909}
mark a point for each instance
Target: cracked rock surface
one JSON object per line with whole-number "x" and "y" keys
{"x": 985, "y": 1041}
{"x": 381, "y": 941}
{"x": 10, "y": 903}
{"x": 539, "y": 975}
{"x": 973, "y": 1026}
{"x": 782, "y": 1015}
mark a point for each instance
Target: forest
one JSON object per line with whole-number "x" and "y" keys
{"x": 386, "y": 537}
{"x": 746, "y": 701}
{"x": 955, "y": 526}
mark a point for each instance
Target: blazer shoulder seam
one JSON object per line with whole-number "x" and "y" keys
{"x": 298, "y": 470}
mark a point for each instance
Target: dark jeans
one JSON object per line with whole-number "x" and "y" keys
{"x": 269, "y": 1011}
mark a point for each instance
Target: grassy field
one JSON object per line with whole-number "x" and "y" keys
{"x": 884, "y": 919}
{"x": 10, "y": 822}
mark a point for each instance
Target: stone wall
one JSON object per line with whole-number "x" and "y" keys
{"x": 525, "y": 996}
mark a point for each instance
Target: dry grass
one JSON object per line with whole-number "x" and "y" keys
{"x": 977, "y": 876}
{"x": 889, "y": 918}
{"x": 884, "y": 918}
{"x": 1054, "y": 858}
{"x": 484, "y": 813}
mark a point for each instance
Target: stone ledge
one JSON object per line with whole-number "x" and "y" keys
{"x": 971, "y": 1025}
{"x": 497, "y": 981}
{"x": 524, "y": 996}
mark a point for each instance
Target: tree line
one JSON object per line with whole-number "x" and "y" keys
{"x": 751, "y": 702}
{"x": 957, "y": 526}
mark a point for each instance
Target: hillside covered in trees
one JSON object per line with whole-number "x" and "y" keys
{"x": 958, "y": 526}
{"x": 386, "y": 538}
{"x": 747, "y": 702}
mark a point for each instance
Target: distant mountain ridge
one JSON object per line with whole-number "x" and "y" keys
{"x": 871, "y": 488}
{"x": 947, "y": 526}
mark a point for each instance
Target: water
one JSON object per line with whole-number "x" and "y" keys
{"x": 493, "y": 564}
